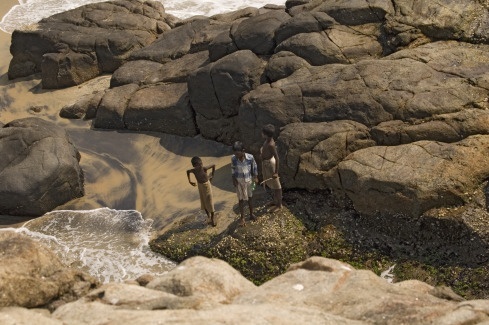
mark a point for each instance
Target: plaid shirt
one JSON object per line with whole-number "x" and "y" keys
{"x": 246, "y": 169}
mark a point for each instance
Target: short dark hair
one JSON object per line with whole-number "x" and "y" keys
{"x": 196, "y": 161}
{"x": 238, "y": 146}
{"x": 268, "y": 130}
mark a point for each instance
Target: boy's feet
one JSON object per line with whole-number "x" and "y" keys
{"x": 213, "y": 222}
{"x": 242, "y": 222}
{"x": 252, "y": 217}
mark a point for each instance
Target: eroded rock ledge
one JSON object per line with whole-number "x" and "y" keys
{"x": 201, "y": 290}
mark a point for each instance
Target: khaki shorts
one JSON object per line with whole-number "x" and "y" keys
{"x": 205, "y": 193}
{"x": 268, "y": 169}
{"x": 243, "y": 190}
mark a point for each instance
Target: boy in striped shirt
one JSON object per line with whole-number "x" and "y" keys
{"x": 244, "y": 171}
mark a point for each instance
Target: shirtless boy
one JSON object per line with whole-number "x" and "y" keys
{"x": 204, "y": 186}
{"x": 270, "y": 164}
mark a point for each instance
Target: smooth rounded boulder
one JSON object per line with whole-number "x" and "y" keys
{"x": 39, "y": 169}
{"x": 33, "y": 276}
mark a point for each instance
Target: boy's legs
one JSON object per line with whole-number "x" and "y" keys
{"x": 277, "y": 198}
{"x": 250, "y": 205}
{"x": 241, "y": 211}
{"x": 210, "y": 218}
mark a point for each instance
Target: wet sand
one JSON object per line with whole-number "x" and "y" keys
{"x": 5, "y": 56}
{"x": 123, "y": 170}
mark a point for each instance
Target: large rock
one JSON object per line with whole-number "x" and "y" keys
{"x": 23, "y": 316}
{"x": 191, "y": 37}
{"x": 110, "y": 111}
{"x": 39, "y": 169}
{"x": 84, "y": 107}
{"x": 74, "y": 46}
{"x": 451, "y": 127}
{"x": 162, "y": 108}
{"x": 257, "y": 33}
{"x": 307, "y": 22}
{"x": 145, "y": 72}
{"x": 400, "y": 87}
{"x": 310, "y": 150}
{"x": 216, "y": 90}
{"x": 61, "y": 70}
{"x": 356, "y": 12}
{"x": 445, "y": 19}
{"x": 95, "y": 313}
{"x": 131, "y": 296}
{"x": 337, "y": 44}
{"x": 283, "y": 64}
{"x": 33, "y": 276}
{"x": 212, "y": 280}
{"x": 336, "y": 288}
{"x": 413, "y": 178}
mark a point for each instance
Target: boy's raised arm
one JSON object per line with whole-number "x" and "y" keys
{"x": 188, "y": 176}
{"x": 213, "y": 170}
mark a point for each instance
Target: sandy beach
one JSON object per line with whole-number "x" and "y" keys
{"x": 123, "y": 170}
{"x": 5, "y": 56}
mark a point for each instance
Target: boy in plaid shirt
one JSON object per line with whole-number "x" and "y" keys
{"x": 244, "y": 171}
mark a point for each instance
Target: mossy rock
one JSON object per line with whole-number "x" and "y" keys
{"x": 324, "y": 225}
{"x": 261, "y": 250}
{"x": 185, "y": 238}
{"x": 264, "y": 248}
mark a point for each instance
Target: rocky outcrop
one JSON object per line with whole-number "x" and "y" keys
{"x": 33, "y": 276}
{"x": 316, "y": 291}
{"x": 75, "y": 46}
{"x": 356, "y": 74}
{"x": 39, "y": 169}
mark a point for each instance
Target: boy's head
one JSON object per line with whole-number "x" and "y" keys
{"x": 196, "y": 161}
{"x": 268, "y": 131}
{"x": 238, "y": 149}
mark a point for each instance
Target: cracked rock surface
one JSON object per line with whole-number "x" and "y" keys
{"x": 39, "y": 169}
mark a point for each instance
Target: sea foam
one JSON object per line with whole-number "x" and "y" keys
{"x": 28, "y": 12}
{"x": 111, "y": 245}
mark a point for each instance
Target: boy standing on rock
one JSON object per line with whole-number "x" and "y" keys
{"x": 204, "y": 186}
{"x": 244, "y": 171}
{"x": 270, "y": 163}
